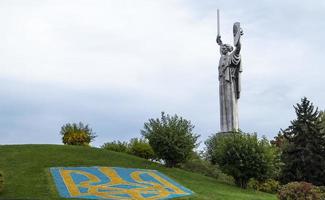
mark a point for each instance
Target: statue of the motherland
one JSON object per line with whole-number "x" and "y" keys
{"x": 229, "y": 79}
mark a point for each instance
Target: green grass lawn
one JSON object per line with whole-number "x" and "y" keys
{"x": 27, "y": 176}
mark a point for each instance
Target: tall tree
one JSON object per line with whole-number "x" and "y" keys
{"x": 322, "y": 119}
{"x": 171, "y": 138}
{"x": 279, "y": 141}
{"x": 304, "y": 156}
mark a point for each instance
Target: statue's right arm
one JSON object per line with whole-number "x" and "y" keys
{"x": 219, "y": 42}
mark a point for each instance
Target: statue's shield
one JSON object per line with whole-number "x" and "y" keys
{"x": 237, "y": 33}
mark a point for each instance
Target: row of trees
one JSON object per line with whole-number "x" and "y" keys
{"x": 296, "y": 154}
{"x": 171, "y": 138}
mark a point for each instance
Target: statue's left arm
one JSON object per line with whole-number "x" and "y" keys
{"x": 236, "y": 60}
{"x": 235, "y": 56}
{"x": 238, "y": 44}
{"x": 238, "y": 48}
{"x": 236, "y": 53}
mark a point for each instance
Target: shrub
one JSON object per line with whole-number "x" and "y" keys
{"x": 243, "y": 156}
{"x": 136, "y": 147}
{"x": 116, "y": 146}
{"x": 321, "y": 190}
{"x": 141, "y": 148}
{"x": 77, "y": 134}
{"x": 299, "y": 191}
{"x": 199, "y": 164}
{"x": 1, "y": 182}
{"x": 253, "y": 184}
{"x": 171, "y": 138}
{"x": 269, "y": 185}
{"x": 201, "y": 167}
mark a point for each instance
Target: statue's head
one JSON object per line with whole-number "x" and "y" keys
{"x": 225, "y": 49}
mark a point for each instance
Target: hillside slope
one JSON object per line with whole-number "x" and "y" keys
{"x": 26, "y": 172}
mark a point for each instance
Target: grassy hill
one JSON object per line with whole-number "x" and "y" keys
{"x": 27, "y": 176}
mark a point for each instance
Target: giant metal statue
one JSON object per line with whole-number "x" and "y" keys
{"x": 229, "y": 79}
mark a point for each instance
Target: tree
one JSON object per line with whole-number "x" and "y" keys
{"x": 117, "y": 146}
{"x": 304, "y": 156}
{"x": 322, "y": 119}
{"x": 1, "y": 181}
{"x": 141, "y": 148}
{"x": 137, "y": 147}
{"x": 243, "y": 156}
{"x": 77, "y": 134}
{"x": 279, "y": 141}
{"x": 171, "y": 138}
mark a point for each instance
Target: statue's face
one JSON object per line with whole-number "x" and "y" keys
{"x": 224, "y": 50}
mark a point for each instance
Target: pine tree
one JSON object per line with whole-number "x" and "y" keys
{"x": 304, "y": 155}
{"x": 322, "y": 119}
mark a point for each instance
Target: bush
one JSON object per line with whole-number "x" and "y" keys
{"x": 201, "y": 167}
{"x": 1, "y": 182}
{"x": 299, "y": 191}
{"x": 269, "y": 185}
{"x": 141, "y": 148}
{"x": 116, "y": 146}
{"x": 136, "y": 147}
{"x": 243, "y": 156}
{"x": 321, "y": 191}
{"x": 199, "y": 164}
{"x": 171, "y": 138}
{"x": 77, "y": 134}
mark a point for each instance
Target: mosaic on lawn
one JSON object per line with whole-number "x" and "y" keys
{"x": 115, "y": 183}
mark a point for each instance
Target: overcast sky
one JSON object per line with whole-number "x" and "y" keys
{"x": 113, "y": 64}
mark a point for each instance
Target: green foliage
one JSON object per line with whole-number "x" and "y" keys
{"x": 321, "y": 190}
{"x": 27, "y": 176}
{"x": 269, "y": 185}
{"x": 243, "y": 156}
{"x": 137, "y": 147}
{"x": 116, "y": 146}
{"x": 201, "y": 166}
{"x": 171, "y": 138}
{"x": 303, "y": 157}
{"x": 279, "y": 141}
{"x": 198, "y": 164}
{"x": 322, "y": 120}
{"x": 77, "y": 134}
{"x": 141, "y": 148}
{"x": 1, "y": 181}
{"x": 299, "y": 191}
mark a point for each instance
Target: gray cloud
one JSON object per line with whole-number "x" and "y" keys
{"x": 114, "y": 64}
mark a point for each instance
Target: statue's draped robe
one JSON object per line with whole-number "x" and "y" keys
{"x": 229, "y": 90}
